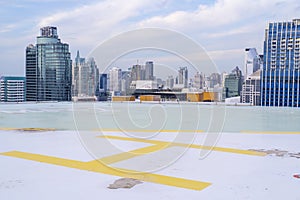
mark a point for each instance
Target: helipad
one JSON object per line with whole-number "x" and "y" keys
{"x": 59, "y": 162}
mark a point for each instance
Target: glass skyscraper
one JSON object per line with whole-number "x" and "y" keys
{"x": 48, "y": 68}
{"x": 280, "y": 74}
{"x": 233, "y": 84}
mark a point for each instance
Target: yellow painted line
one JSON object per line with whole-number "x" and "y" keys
{"x": 149, "y": 130}
{"x": 158, "y": 142}
{"x": 271, "y": 132}
{"x": 27, "y": 129}
{"x": 7, "y": 129}
{"x": 130, "y": 154}
{"x": 99, "y": 167}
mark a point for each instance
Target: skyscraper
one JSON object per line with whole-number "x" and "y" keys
{"x": 252, "y": 62}
{"x": 280, "y": 74}
{"x": 183, "y": 76}
{"x": 85, "y": 77}
{"x": 233, "y": 84}
{"x": 137, "y": 72}
{"x": 76, "y": 71}
{"x": 149, "y": 70}
{"x": 125, "y": 82}
{"x": 115, "y": 77}
{"x": 102, "y": 88}
{"x": 103, "y": 83}
{"x": 48, "y": 68}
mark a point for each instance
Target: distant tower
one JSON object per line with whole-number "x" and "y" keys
{"x": 183, "y": 76}
{"x": 48, "y": 68}
{"x": 149, "y": 70}
{"x": 198, "y": 81}
{"x": 85, "y": 76}
{"x": 233, "y": 84}
{"x": 115, "y": 77}
{"x": 137, "y": 72}
{"x": 252, "y": 62}
{"x": 170, "y": 82}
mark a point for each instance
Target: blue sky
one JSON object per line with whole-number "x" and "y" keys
{"x": 223, "y": 27}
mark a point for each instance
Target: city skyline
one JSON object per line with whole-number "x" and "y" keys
{"x": 224, "y": 39}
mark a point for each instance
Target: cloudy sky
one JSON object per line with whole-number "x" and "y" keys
{"x": 224, "y": 28}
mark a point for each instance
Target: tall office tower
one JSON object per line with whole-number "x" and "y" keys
{"x": 125, "y": 82}
{"x": 85, "y": 76}
{"x": 280, "y": 84}
{"x": 233, "y": 84}
{"x": 149, "y": 70}
{"x": 12, "y": 89}
{"x": 103, "y": 83}
{"x": 252, "y": 62}
{"x": 76, "y": 71}
{"x": 115, "y": 77}
{"x": 48, "y": 68}
{"x": 93, "y": 76}
{"x": 31, "y": 89}
{"x": 137, "y": 72}
{"x": 101, "y": 89}
{"x": 183, "y": 76}
{"x": 251, "y": 89}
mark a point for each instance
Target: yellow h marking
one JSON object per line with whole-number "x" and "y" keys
{"x": 101, "y": 168}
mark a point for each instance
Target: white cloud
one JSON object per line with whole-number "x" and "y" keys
{"x": 88, "y": 25}
{"x": 224, "y": 27}
{"x": 226, "y": 18}
{"x": 227, "y": 26}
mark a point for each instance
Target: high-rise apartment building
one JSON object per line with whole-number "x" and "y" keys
{"x": 280, "y": 84}
{"x": 12, "y": 89}
{"x": 251, "y": 89}
{"x": 48, "y": 68}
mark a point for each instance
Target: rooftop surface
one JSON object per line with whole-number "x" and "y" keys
{"x": 245, "y": 159}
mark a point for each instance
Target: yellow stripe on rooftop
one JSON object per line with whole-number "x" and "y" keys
{"x": 130, "y": 154}
{"x": 27, "y": 129}
{"x": 150, "y": 130}
{"x": 271, "y": 132}
{"x": 101, "y": 168}
{"x": 213, "y": 148}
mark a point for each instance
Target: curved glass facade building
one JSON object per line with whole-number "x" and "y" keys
{"x": 48, "y": 68}
{"x": 280, "y": 74}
